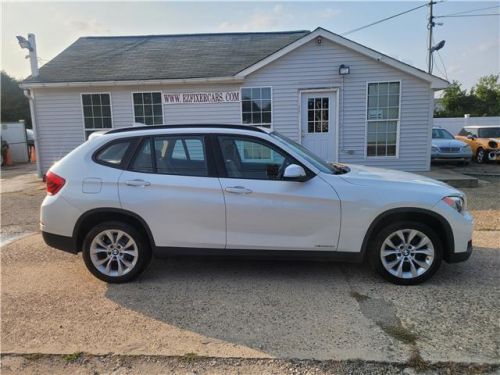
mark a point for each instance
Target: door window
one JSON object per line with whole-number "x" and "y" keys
{"x": 176, "y": 155}
{"x": 252, "y": 159}
{"x": 317, "y": 115}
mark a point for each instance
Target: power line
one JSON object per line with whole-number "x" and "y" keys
{"x": 472, "y": 10}
{"x": 470, "y": 15}
{"x": 383, "y": 20}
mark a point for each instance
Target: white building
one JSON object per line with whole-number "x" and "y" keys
{"x": 344, "y": 101}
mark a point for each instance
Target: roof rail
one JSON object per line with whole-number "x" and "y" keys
{"x": 184, "y": 126}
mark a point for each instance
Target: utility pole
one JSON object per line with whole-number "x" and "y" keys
{"x": 430, "y": 26}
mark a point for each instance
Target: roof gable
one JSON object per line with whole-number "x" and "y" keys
{"x": 436, "y": 82}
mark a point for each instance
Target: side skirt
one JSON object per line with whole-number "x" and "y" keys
{"x": 337, "y": 256}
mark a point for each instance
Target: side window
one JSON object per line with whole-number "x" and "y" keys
{"x": 183, "y": 155}
{"x": 143, "y": 161}
{"x": 252, "y": 159}
{"x": 113, "y": 154}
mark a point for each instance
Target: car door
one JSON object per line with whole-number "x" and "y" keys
{"x": 263, "y": 211}
{"x": 172, "y": 184}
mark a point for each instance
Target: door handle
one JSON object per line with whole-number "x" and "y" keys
{"x": 137, "y": 183}
{"x": 238, "y": 190}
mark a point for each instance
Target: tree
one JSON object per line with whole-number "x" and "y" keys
{"x": 14, "y": 105}
{"x": 487, "y": 92}
{"x": 482, "y": 99}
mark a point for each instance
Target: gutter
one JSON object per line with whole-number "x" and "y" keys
{"x": 181, "y": 81}
{"x": 31, "y": 99}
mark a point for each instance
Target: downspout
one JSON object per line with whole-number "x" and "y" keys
{"x": 29, "y": 94}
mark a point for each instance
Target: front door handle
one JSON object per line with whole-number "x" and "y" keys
{"x": 238, "y": 190}
{"x": 137, "y": 183}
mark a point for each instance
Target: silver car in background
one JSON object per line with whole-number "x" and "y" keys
{"x": 446, "y": 147}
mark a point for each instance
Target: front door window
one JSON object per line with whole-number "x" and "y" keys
{"x": 317, "y": 115}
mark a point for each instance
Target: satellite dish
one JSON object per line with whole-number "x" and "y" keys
{"x": 24, "y": 43}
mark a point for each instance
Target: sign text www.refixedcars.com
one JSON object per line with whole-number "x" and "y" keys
{"x": 201, "y": 97}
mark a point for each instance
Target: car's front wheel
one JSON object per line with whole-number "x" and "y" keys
{"x": 115, "y": 252}
{"x": 406, "y": 253}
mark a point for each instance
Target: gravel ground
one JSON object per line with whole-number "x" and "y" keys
{"x": 213, "y": 308}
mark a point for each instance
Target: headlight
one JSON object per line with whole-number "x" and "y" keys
{"x": 435, "y": 149}
{"x": 492, "y": 144}
{"x": 455, "y": 202}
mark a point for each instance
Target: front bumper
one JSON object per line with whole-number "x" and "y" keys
{"x": 460, "y": 257}
{"x": 493, "y": 155}
{"x": 451, "y": 156}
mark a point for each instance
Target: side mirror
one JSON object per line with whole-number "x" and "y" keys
{"x": 294, "y": 172}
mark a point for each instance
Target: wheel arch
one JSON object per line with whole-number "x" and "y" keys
{"x": 99, "y": 215}
{"x": 433, "y": 219}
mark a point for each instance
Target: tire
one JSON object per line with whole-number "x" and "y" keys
{"x": 128, "y": 256}
{"x": 480, "y": 155}
{"x": 428, "y": 262}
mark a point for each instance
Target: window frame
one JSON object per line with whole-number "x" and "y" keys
{"x": 221, "y": 166}
{"x": 212, "y": 171}
{"x": 83, "y": 112}
{"x": 133, "y": 107}
{"x": 398, "y": 122}
{"x": 271, "y": 126}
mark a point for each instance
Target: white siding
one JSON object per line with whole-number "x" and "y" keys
{"x": 60, "y": 122}
{"x": 316, "y": 66}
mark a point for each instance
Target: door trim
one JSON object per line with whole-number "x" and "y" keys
{"x": 336, "y": 91}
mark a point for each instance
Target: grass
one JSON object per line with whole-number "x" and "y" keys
{"x": 189, "y": 357}
{"x": 417, "y": 362}
{"x": 73, "y": 357}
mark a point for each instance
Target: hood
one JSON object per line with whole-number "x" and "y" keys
{"x": 447, "y": 143}
{"x": 378, "y": 177}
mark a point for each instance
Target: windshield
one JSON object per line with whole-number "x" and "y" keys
{"x": 322, "y": 165}
{"x": 489, "y": 132}
{"x": 441, "y": 134}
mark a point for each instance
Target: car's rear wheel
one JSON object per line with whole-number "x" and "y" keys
{"x": 115, "y": 252}
{"x": 406, "y": 253}
{"x": 480, "y": 155}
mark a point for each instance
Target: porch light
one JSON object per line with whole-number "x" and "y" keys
{"x": 344, "y": 69}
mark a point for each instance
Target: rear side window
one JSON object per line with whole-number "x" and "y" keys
{"x": 175, "y": 155}
{"x": 114, "y": 153}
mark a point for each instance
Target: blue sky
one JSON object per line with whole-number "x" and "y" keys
{"x": 472, "y": 44}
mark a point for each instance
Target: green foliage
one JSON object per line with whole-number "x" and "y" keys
{"x": 14, "y": 104}
{"x": 482, "y": 99}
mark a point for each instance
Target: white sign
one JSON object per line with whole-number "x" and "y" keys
{"x": 201, "y": 97}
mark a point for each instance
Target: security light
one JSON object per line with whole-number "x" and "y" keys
{"x": 344, "y": 69}
{"x": 438, "y": 46}
{"x": 24, "y": 43}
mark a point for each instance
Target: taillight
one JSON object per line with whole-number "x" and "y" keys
{"x": 54, "y": 183}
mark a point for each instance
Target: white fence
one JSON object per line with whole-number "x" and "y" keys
{"x": 454, "y": 124}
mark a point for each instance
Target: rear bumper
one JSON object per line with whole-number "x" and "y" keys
{"x": 60, "y": 242}
{"x": 460, "y": 257}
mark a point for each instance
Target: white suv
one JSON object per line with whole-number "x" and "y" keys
{"x": 236, "y": 190}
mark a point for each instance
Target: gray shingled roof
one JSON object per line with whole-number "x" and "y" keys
{"x": 92, "y": 59}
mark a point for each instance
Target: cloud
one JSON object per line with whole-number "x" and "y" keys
{"x": 87, "y": 26}
{"x": 330, "y": 13}
{"x": 260, "y": 21}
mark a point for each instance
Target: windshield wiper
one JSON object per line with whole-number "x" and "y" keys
{"x": 339, "y": 168}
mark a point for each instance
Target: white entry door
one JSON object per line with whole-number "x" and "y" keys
{"x": 318, "y": 123}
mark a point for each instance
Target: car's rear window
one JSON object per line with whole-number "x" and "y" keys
{"x": 113, "y": 153}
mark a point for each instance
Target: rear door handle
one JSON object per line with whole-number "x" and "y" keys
{"x": 137, "y": 183}
{"x": 238, "y": 190}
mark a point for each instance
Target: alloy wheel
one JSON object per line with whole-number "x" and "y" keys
{"x": 113, "y": 252}
{"x": 407, "y": 253}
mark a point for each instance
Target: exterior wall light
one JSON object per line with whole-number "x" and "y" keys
{"x": 344, "y": 69}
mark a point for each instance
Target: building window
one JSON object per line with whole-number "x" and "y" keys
{"x": 96, "y": 112}
{"x": 382, "y": 116}
{"x": 148, "y": 108}
{"x": 317, "y": 115}
{"x": 256, "y": 106}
